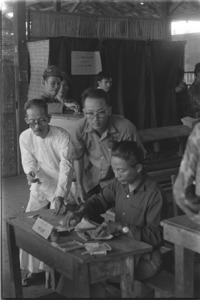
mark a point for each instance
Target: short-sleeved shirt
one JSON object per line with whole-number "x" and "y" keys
{"x": 98, "y": 149}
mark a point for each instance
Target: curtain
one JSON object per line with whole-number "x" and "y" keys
{"x": 127, "y": 60}
{"x": 165, "y": 59}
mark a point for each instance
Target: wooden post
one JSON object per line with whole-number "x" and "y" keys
{"x": 57, "y": 5}
{"x": 21, "y": 68}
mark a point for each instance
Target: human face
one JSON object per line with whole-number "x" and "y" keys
{"x": 38, "y": 121}
{"x": 64, "y": 88}
{"x": 105, "y": 84}
{"x": 123, "y": 172}
{"x": 52, "y": 85}
{"x": 97, "y": 113}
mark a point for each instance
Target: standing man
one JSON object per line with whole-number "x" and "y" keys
{"x": 95, "y": 135}
{"x": 104, "y": 81}
{"x": 46, "y": 153}
{"x": 52, "y": 78}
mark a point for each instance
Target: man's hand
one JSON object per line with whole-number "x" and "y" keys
{"x": 60, "y": 207}
{"x": 71, "y": 219}
{"x": 31, "y": 177}
{"x": 80, "y": 193}
{"x": 110, "y": 227}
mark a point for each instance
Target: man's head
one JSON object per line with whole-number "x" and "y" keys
{"x": 52, "y": 77}
{"x": 96, "y": 108}
{"x": 127, "y": 161}
{"x": 37, "y": 117}
{"x": 64, "y": 86}
{"x": 104, "y": 81}
{"x": 197, "y": 69}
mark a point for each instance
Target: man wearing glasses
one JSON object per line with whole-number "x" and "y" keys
{"x": 95, "y": 135}
{"x": 46, "y": 153}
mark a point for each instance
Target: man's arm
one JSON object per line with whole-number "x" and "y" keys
{"x": 79, "y": 170}
{"x": 29, "y": 162}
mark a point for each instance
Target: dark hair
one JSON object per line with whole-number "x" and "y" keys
{"x": 129, "y": 151}
{"x": 197, "y": 69}
{"x": 38, "y": 103}
{"x": 96, "y": 94}
{"x": 103, "y": 75}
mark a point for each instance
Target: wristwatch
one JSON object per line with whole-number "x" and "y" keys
{"x": 125, "y": 229}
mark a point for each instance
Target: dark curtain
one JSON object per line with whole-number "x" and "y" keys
{"x": 165, "y": 58}
{"x": 127, "y": 60}
{"x": 60, "y": 55}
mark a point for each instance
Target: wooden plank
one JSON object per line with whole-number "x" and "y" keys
{"x": 13, "y": 251}
{"x": 184, "y": 273}
{"x": 165, "y": 132}
{"x": 21, "y": 68}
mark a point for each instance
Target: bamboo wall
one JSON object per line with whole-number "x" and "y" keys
{"x": 51, "y": 24}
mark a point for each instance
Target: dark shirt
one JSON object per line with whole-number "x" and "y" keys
{"x": 143, "y": 208}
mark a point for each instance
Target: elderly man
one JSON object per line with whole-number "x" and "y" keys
{"x": 46, "y": 153}
{"x": 52, "y": 78}
{"x": 95, "y": 135}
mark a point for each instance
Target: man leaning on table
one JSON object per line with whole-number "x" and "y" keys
{"x": 139, "y": 205}
{"x": 95, "y": 135}
{"x": 186, "y": 189}
{"x": 46, "y": 153}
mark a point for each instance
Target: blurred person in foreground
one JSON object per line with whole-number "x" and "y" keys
{"x": 46, "y": 153}
{"x": 139, "y": 205}
{"x": 186, "y": 189}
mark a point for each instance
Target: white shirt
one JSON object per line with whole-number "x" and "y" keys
{"x": 50, "y": 158}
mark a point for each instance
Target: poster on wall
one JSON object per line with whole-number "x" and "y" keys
{"x": 85, "y": 63}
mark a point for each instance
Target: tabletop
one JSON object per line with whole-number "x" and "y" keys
{"x": 82, "y": 270}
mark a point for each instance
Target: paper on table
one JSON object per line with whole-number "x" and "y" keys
{"x": 84, "y": 224}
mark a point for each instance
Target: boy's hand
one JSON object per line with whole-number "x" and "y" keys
{"x": 60, "y": 207}
{"x": 31, "y": 177}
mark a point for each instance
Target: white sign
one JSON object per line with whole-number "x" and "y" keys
{"x": 85, "y": 63}
{"x": 42, "y": 228}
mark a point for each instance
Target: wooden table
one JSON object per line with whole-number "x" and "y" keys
{"x": 82, "y": 270}
{"x": 185, "y": 235}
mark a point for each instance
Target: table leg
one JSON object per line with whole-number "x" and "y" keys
{"x": 81, "y": 285}
{"x": 13, "y": 252}
{"x": 184, "y": 272}
{"x": 127, "y": 279}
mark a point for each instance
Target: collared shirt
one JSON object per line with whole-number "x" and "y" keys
{"x": 189, "y": 171}
{"x": 54, "y": 105}
{"x": 50, "y": 158}
{"x": 141, "y": 209}
{"x": 98, "y": 149}
{"x": 194, "y": 95}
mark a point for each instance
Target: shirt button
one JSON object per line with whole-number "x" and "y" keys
{"x": 127, "y": 196}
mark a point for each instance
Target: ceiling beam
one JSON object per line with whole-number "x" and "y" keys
{"x": 57, "y": 5}
{"x": 173, "y": 7}
{"x": 74, "y": 6}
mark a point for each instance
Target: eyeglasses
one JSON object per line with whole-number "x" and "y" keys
{"x": 33, "y": 123}
{"x": 91, "y": 115}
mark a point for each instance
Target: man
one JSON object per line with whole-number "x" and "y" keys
{"x": 52, "y": 78}
{"x": 104, "y": 81}
{"x": 95, "y": 135}
{"x": 139, "y": 205}
{"x": 46, "y": 153}
{"x": 186, "y": 189}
